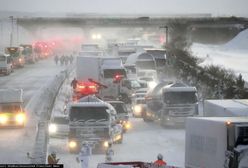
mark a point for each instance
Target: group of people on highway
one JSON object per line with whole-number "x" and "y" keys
{"x": 86, "y": 151}
{"x": 64, "y": 59}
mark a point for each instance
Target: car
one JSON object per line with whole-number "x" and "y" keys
{"x": 122, "y": 116}
{"x": 59, "y": 126}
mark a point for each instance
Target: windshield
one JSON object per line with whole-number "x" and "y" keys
{"x": 145, "y": 64}
{"x": 111, "y": 73}
{"x": 120, "y": 108}
{"x": 2, "y": 58}
{"x": 27, "y": 51}
{"x": 60, "y": 120}
{"x": 180, "y": 97}
{"x": 140, "y": 101}
{"x": 10, "y": 108}
{"x": 88, "y": 113}
{"x": 135, "y": 84}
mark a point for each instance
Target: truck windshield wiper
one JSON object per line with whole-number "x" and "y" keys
{"x": 90, "y": 120}
{"x": 101, "y": 120}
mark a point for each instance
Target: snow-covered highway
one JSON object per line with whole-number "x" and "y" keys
{"x": 15, "y": 143}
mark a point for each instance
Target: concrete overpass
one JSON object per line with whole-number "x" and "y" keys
{"x": 216, "y": 25}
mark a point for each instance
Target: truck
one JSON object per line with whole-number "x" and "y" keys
{"x": 216, "y": 142}
{"x": 225, "y": 108}
{"x": 109, "y": 75}
{"x": 171, "y": 104}
{"x": 27, "y": 52}
{"x": 92, "y": 122}
{"x": 113, "y": 72}
{"x": 12, "y": 113}
{"x": 5, "y": 64}
{"x": 16, "y": 56}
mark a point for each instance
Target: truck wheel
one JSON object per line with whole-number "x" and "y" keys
{"x": 163, "y": 122}
{"x": 120, "y": 141}
{"x": 145, "y": 118}
{"x": 125, "y": 99}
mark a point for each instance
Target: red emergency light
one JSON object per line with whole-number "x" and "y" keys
{"x": 117, "y": 78}
{"x": 86, "y": 88}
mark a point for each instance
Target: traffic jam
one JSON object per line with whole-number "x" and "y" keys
{"x": 99, "y": 102}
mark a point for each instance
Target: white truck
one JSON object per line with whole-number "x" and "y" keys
{"x": 171, "y": 104}
{"x": 93, "y": 122}
{"x": 216, "y": 142}
{"x": 225, "y": 108}
{"x": 106, "y": 71}
{"x": 12, "y": 113}
{"x": 5, "y": 64}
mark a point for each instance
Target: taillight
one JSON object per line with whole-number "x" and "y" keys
{"x": 92, "y": 87}
{"x": 81, "y": 86}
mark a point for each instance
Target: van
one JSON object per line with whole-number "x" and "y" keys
{"x": 5, "y": 64}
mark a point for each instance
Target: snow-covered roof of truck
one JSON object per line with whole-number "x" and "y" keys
{"x": 222, "y": 119}
{"x": 179, "y": 87}
{"x": 228, "y": 107}
{"x": 230, "y": 103}
{"x": 131, "y": 59}
{"x": 112, "y": 63}
{"x": 11, "y": 95}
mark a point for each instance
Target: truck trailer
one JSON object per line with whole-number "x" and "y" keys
{"x": 216, "y": 142}
{"x": 225, "y": 108}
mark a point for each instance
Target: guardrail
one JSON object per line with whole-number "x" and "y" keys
{"x": 48, "y": 96}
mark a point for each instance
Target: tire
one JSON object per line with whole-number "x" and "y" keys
{"x": 121, "y": 140}
{"x": 125, "y": 99}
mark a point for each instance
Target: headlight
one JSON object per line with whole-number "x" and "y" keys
{"x": 105, "y": 144}
{"x": 3, "y": 119}
{"x": 72, "y": 144}
{"x": 127, "y": 125}
{"x": 137, "y": 109}
{"x": 118, "y": 137}
{"x": 52, "y": 128}
{"x": 152, "y": 85}
{"x": 20, "y": 118}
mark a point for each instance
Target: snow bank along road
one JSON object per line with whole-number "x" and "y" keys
{"x": 15, "y": 143}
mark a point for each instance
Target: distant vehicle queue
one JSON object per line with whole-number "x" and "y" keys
{"x": 17, "y": 56}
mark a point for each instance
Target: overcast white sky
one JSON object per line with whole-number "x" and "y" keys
{"x": 216, "y": 7}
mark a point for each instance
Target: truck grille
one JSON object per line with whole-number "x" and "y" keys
{"x": 182, "y": 112}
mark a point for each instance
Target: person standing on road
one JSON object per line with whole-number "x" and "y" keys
{"x": 84, "y": 155}
{"x": 62, "y": 60}
{"x": 56, "y": 59}
{"x": 109, "y": 153}
{"x": 51, "y": 159}
{"x": 74, "y": 83}
{"x": 71, "y": 59}
{"x": 159, "y": 162}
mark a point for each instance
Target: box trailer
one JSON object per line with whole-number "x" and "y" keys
{"x": 216, "y": 142}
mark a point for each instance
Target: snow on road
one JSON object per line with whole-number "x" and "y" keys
{"x": 15, "y": 143}
{"x": 142, "y": 143}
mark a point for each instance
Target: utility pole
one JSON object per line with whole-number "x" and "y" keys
{"x": 12, "y": 29}
{"x": 17, "y": 34}
{"x": 1, "y": 30}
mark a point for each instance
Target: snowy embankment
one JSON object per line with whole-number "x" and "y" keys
{"x": 233, "y": 55}
{"x": 41, "y": 105}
